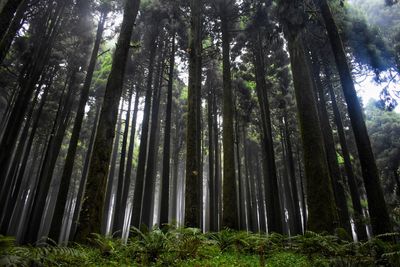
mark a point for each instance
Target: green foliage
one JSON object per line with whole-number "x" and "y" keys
{"x": 173, "y": 246}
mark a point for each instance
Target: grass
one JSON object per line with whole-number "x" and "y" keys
{"x": 189, "y": 247}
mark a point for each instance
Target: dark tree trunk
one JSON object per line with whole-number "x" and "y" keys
{"x": 92, "y": 210}
{"x": 140, "y": 173}
{"x": 292, "y": 175}
{"x": 258, "y": 188}
{"x": 85, "y": 169}
{"x": 322, "y": 215}
{"x": 49, "y": 162}
{"x": 230, "y": 213}
{"x": 211, "y": 156}
{"x": 167, "y": 140}
{"x": 378, "y": 212}
{"x": 111, "y": 177}
{"x": 129, "y": 161}
{"x": 334, "y": 169}
{"x": 61, "y": 200}
{"x": 119, "y": 213}
{"x": 151, "y": 168}
{"x": 351, "y": 179}
{"x": 194, "y": 176}
{"x": 28, "y": 79}
{"x": 269, "y": 167}
{"x": 13, "y": 181}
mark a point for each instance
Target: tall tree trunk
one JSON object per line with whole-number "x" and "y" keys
{"x": 211, "y": 156}
{"x": 230, "y": 213}
{"x": 91, "y": 214}
{"x": 140, "y": 172}
{"x": 119, "y": 213}
{"x": 129, "y": 161}
{"x": 378, "y": 212}
{"x": 167, "y": 140}
{"x": 49, "y": 163}
{"x": 262, "y": 221}
{"x": 337, "y": 181}
{"x": 193, "y": 197}
{"x": 85, "y": 170}
{"x": 351, "y": 179}
{"x": 269, "y": 167}
{"x": 61, "y": 200}
{"x": 322, "y": 214}
{"x": 28, "y": 79}
{"x": 292, "y": 174}
{"x": 151, "y": 168}
{"x": 111, "y": 177}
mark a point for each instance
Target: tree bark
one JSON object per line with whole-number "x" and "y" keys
{"x": 351, "y": 179}
{"x": 269, "y": 167}
{"x": 119, "y": 213}
{"x": 92, "y": 211}
{"x": 28, "y": 79}
{"x": 322, "y": 214}
{"x": 151, "y": 168}
{"x": 111, "y": 177}
{"x": 380, "y": 220}
{"x": 230, "y": 211}
{"x": 167, "y": 140}
{"x": 337, "y": 181}
{"x": 85, "y": 170}
{"x": 61, "y": 200}
{"x": 140, "y": 173}
{"x": 193, "y": 197}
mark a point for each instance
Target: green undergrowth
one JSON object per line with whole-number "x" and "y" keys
{"x": 190, "y": 247}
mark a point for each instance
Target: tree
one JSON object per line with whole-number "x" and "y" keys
{"x": 322, "y": 214}
{"x": 193, "y": 132}
{"x": 376, "y": 203}
{"x": 91, "y": 214}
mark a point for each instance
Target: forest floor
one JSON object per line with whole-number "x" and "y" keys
{"x": 190, "y": 247}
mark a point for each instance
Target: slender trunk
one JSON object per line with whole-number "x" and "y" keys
{"x": 151, "y": 168}
{"x": 61, "y": 200}
{"x": 111, "y": 177}
{"x": 269, "y": 167}
{"x": 167, "y": 140}
{"x": 140, "y": 172}
{"x": 211, "y": 157}
{"x": 337, "y": 181}
{"x": 292, "y": 175}
{"x": 229, "y": 215}
{"x": 85, "y": 170}
{"x": 262, "y": 221}
{"x": 119, "y": 213}
{"x": 351, "y": 179}
{"x": 91, "y": 214}
{"x": 47, "y": 168}
{"x": 193, "y": 180}
{"x": 28, "y": 79}
{"x": 8, "y": 197}
{"x": 288, "y": 192}
{"x": 128, "y": 171}
{"x": 380, "y": 220}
